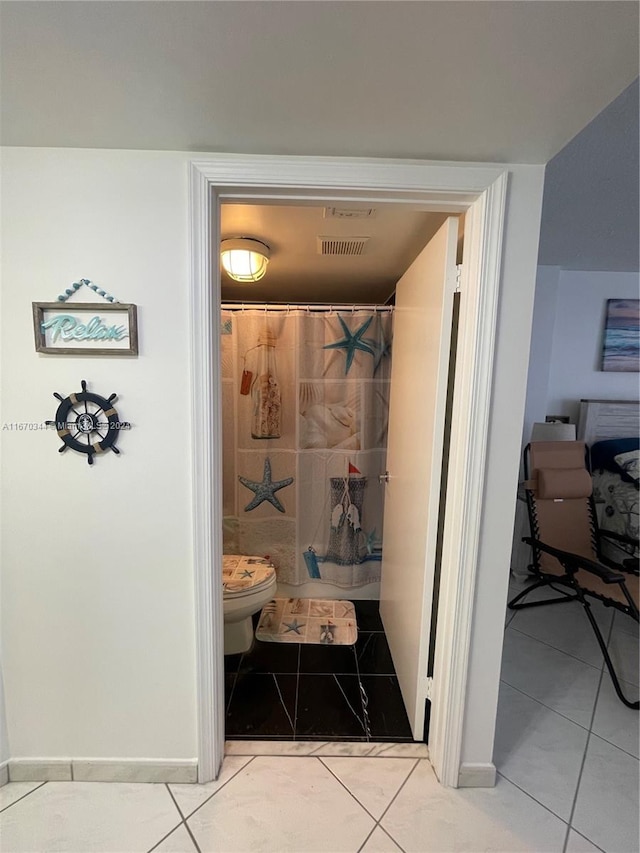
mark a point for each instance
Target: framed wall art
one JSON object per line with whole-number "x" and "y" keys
{"x": 621, "y": 346}
{"x": 85, "y": 328}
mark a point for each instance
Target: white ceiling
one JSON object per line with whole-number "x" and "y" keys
{"x": 488, "y": 81}
{"x": 298, "y": 273}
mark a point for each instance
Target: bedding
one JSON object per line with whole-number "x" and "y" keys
{"x": 629, "y": 463}
{"x": 604, "y": 453}
{"x": 615, "y": 487}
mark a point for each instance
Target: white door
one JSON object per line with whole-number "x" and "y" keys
{"x": 421, "y": 341}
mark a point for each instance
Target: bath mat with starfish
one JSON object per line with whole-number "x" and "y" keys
{"x": 308, "y": 620}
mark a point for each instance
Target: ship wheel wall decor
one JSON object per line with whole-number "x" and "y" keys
{"x": 87, "y": 423}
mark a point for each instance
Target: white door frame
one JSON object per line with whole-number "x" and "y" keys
{"x": 478, "y": 190}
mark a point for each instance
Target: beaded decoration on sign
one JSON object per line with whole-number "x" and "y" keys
{"x": 87, "y": 283}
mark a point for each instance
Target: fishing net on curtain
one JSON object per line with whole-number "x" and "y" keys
{"x": 305, "y": 412}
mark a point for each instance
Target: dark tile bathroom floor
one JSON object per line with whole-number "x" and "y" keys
{"x": 311, "y": 692}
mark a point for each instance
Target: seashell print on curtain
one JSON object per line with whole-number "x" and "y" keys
{"x": 305, "y": 413}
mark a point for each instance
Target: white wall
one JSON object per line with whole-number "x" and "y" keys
{"x": 566, "y": 346}
{"x": 5, "y": 750}
{"x": 98, "y": 631}
{"x": 576, "y": 357}
{"x": 542, "y": 331}
{"x": 97, "y": 608}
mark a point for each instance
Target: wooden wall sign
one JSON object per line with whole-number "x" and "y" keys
{"x": 85, "y": 328}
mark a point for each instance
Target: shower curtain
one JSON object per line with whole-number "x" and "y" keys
{"x": 305, "y": 410}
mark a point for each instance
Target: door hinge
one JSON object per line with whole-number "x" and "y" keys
{"x": 428, "y": 687}
{"x": 458, "y": 277}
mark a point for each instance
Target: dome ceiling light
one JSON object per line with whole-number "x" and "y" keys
{"x": 244, "y": 258}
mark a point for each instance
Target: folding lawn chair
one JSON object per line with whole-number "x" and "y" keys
{"x": 566, "y": 540}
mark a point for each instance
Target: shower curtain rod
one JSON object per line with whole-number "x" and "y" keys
{"x": 311, "y": 306}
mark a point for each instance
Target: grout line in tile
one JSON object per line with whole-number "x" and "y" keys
{"x": 353, "y": 674}
{"x": 387, "y": 833}
{"x": 175, "y": 803}
{"x": 380, "y": 674}
{"x": 614, "y": 745}
{"x": 586, "y": 747}
{"x": 587, "y": 839}
{"x": 244, "y": 767}
{"x": 338, "y": 779}
{"x": 392, "y": 738}
{"x": 395, "y": 796}
{"x": 291, "y": 723}
{"x": 295, "y": 709}
{"x": 392, "y": 838}
{"x": 510, "y": 619}
{"x": 233, "y": 688}
{"x": 37, "y": 788}
{"x": 393, "y": 799}
{"x": 261, "y": 738}
{"x": 164, "y": 837}
{"x": 184, "y": 822}
{"x": 548, "y": 707}
{"x": 371, "y": 831}
{"x": 620, "y": 628}
{"x": 555, "y": 648}
{"x": 530, "y": 795}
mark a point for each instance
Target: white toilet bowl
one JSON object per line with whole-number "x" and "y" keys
{"x": 248, "y": 584}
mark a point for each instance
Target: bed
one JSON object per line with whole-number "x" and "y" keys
{"x": 611, "y": 430}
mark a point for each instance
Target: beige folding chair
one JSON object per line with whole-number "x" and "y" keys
{"x": 566, "y": 540}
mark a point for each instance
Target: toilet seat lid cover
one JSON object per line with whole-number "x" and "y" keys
{"x": 241, "y": 573}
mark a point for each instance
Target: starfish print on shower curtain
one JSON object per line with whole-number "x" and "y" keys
{"x": 380, "y": 345}
{"x": 352, "y": 342}
{"x": 265, "y": 491}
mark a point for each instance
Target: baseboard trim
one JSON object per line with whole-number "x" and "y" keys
{"x": 4, "y": 773}
{"x": 177, "y": 771}
{"x": 477, "y": 776}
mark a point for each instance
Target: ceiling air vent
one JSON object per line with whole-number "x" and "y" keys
{"x": 349, "y": 212}
{"x": 342, "y": 245}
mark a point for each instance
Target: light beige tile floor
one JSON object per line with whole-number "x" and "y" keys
{"x": 279, "y": 803}
{"x": 566, "y": 753}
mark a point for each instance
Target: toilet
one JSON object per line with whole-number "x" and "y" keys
{"x": 248, "y": 584}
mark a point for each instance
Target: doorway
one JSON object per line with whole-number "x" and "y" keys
{"x": 481, "y": 192}
{"x": 332, "y": 418}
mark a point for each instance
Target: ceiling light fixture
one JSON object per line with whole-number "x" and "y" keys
{"x": 244, "y": 259}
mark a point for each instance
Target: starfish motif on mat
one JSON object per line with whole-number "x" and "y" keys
{"x": 293, "y": 626}
{"x": 352, "y": 342}
{"x": 246, "y": 574}
{"x": 265, "y": 491}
